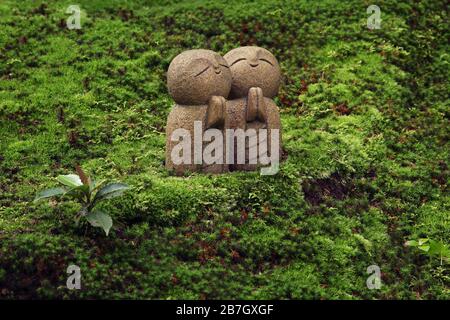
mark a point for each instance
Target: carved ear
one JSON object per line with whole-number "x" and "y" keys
{"x": 198, "y": 66}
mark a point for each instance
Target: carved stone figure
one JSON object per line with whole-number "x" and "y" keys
{"x": 256, "y": 79}
{"x": 198, "y": 80}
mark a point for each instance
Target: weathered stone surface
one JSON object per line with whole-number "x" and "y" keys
{"x": 236, "y": 111}
{"x": 194, "y": 76}
{"x": 253, "y": 67}
{"x": 255, "y": 80}
{"x": 183, "y": 116}
{"x": 198, "y": 81}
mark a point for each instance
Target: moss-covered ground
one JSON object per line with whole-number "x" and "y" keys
{"x": 365, "y": 117}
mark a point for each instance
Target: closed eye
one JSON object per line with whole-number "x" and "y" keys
{"x": 224, "y": 65}
{"x": 201, "y": 71}
{"x": 240, "y": 59}
{"x": 265, "y": 60}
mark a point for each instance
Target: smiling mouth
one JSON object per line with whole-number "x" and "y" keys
{"x": 218, "y": 71}
{"x": 253, "y": 65}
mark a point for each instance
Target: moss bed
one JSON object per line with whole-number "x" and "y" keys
{"x": 365, "y": 117}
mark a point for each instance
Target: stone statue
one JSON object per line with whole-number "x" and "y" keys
{"x": 256, "y": 79}
{"x": 200, "y": 81}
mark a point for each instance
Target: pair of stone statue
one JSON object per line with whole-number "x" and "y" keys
{"x": 215, "y": 95}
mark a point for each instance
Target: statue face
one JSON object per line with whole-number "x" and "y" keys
{"x": 253, "y": 67}
{"x": 194, "y": 76}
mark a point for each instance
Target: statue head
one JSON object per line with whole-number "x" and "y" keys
{"x": 194, "y": 76}
{"x": 253, "y": 67}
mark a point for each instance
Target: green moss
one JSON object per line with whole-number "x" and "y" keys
{"x": 365, "y": 130}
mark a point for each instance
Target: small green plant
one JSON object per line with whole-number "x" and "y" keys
{"x": 88, "y": 193}
{"x": 431, "y": 248}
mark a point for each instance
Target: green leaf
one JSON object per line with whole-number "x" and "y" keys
{"x": 412, "y": 243}
{"x": 79, "y": 193}
{"x": 111, "y": 191}
{"x": 96, "y": 184}
{"x": 70, "y": 180}
{"x": 49, "y": 193}
{"x": 100, "y": 219}
{"x": 445, "y": 252}
{"x": 424, "y": 247}
{"x": 437, "y": 248}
